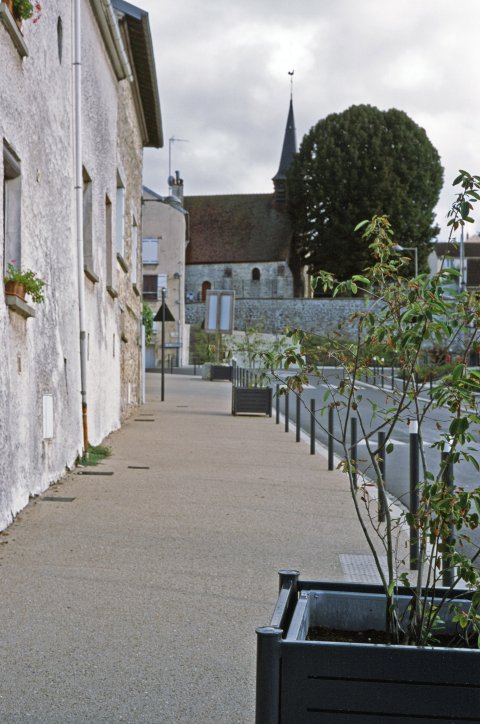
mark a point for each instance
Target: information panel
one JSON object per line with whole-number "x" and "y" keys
{"x": 219, "y": 311}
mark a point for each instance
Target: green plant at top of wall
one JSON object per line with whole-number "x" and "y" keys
{"x": 27, "y": 10}
{"x": 405, "y": 316}
{"x": 252, "y": 345}
{"x": 30, "y": 280}
{"x": 203, "y": 348}
{"x": 147, "y": 319}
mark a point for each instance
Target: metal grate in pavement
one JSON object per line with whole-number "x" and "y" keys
{"x": 361, "y": 568}
{"x": 93, "y": 472}
{"x": 56, "y": 499}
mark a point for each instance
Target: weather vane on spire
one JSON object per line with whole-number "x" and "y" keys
{"x": 290, "y": 73}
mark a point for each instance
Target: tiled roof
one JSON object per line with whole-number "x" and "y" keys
{"x": 473, "y": 272}
{"x": 471, "y": 247}
{"x": 236, "y": 228}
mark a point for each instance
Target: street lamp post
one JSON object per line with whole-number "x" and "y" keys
{"x": 397, "y": 247}
{"x": 163, "y": 344}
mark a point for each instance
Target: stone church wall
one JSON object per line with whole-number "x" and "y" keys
{"x": 320, "y": 316}
{"x": 276, "y": 280}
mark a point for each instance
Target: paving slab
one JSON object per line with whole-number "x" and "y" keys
{"x": 134, "y": 596}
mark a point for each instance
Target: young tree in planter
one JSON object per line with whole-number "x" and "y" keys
{"x": 407, "y": 316}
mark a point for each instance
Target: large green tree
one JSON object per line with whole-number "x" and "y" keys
{"x": 352, "y": 165}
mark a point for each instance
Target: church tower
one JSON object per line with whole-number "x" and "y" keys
{"x": 288, "y": 151}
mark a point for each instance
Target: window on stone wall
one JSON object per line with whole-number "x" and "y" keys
{"x": 88, "y": 226}
{"x": 120, "y": 223}
{"x": 150, "y": 286}
{"x": 205, "y": 287}
{"x": 109, "y": 247}
{"x": 134, "y": 250}
{"x": 12, "y": 187}
{"x": 281, "y": 270}
{"x": 256, "y": 274}
{"x": 228, "y": 272}
{"x": 150, "y": 250}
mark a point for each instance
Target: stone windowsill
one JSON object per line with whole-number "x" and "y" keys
{"x": 13, "y": 30}
{"x": 17, "y": 305}
{"x": 136, "y": 289}
{"x": 112, "y": 291}
{"x": 122, "y": 262}
{"x": 90, "y": 274}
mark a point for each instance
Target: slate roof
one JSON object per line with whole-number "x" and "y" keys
{"x": 289, "y": 148}
{"x": 471, "y": 248}
{"x": 236, "y": 228}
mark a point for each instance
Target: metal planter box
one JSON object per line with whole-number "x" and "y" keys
{"x": 316, "y": 682}
{"x": 221, "y": 372}
{"x": 252, "y": 400}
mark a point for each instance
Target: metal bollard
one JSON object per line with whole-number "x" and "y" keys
{"x": 353, "y": 449}
{"x": 414, "y": 468}
{"x": 312, "y": 426}
{"x": 277, "y": 404}
{"x": 287, "y": 405}
{"x": 382, "y": 513}
{"x": 330, "y": 438}
{"x": 297, "y": 415}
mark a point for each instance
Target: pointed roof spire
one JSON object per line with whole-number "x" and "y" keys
{"x": 289, "y": 140}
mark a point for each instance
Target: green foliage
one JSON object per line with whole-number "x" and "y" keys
{"x": 203, "y": 345}
{"x": 30, "y": 280}
{"x": 402, "y": 318}
{"x": 26, "y": 10}
{"x": 147, "y": 319}
{"x": 353, "y": 164}
{"x": 94, "y": 455}
{"x": 251, "y": 346}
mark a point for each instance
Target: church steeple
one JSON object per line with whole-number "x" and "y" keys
{"x": 288, "y": 151}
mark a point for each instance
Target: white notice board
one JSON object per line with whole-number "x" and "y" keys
{"x": 219, "y": 311}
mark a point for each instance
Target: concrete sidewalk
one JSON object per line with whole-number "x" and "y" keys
{"x": 137, "y": 601}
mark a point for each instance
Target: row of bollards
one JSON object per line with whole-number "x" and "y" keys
{"x": 414, "y": 472}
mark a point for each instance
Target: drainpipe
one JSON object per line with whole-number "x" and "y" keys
{"x": 77, "y": 83}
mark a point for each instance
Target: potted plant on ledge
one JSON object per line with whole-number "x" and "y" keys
{"x": 25, "y": 10}
{"x": 18, "y": 283}
{"x": 408, "y": 649}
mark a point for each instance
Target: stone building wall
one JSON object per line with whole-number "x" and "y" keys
{"x": 40, "y": 402}
{"x": 314, "y": 315}
{"x": 276, "y": 280}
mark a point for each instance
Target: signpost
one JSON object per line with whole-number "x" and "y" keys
{"x": 219, "y": 315}
{"x": 163, "y": 315}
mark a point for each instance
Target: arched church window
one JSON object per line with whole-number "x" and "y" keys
{"x": 205, "y": 287}
{"x": 256, "y": 274}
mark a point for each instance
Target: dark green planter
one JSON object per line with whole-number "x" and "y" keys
{"x": 221, "y": 372}
{"x": 252, "y": 400}
{"x": 320, "y": 682}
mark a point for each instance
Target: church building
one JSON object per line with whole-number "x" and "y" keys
{"x": 243, "y": 242}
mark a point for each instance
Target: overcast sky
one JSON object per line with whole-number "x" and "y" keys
{"x": 223, "y": 65}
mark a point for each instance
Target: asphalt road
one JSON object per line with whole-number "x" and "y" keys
{"x": 397, "y": 462}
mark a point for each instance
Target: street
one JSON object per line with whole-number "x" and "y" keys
{"x": 397, "y": 470}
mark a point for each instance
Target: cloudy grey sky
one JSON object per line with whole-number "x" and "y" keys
{"x": 223, "y": 65}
